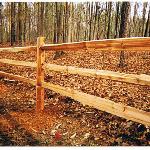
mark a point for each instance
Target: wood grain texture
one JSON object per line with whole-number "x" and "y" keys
{"x": 135, "y": 44}
{"x": 18, "y": 63}
{"x": 105, "y": 74}
{"x": 40, "y": 75}
{"x": 18, "y": 49}
{"x": 17, "y": 78}
{"x": 141, "y": 79}
{"x": 117, "y": 109}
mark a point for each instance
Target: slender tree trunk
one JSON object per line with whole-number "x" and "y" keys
{"x": 109, "y": 19}
{"x": 66, "y": 21}
{"x": 38, "y": 19}
{"x": 13, "y": 36}
{"x": 70, "y": 23}
{"x": 63, "y": 23}
{"x": 125, "y": 10}
{"x": 29, "y": 25}
{"x": 57, "y": 14}
{"x": 143, "y": 17}
{"x": 116, "y": 19}
{"x": 91, "y": 18}
{"x": 147, "y": 25}
{"x": 135, "y": 19}
{"x": 42, "y": 19}
{"x": 59, "y": 22}
{"x": 20, "y": 18}
{"x": 55, "y": 23}
{"x": 1, "y": 26}
{"x": 25, "y": 21}
{"x": 86, "y": 18}
{"x": 95, "y": 20}
{"x": 105, "y": 24}
{"x": 58, "y": 27}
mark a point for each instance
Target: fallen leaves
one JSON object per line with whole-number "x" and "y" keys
{"x": 67, "y": 121}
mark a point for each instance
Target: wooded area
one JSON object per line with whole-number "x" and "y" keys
{"x": 75, "y": 73}
{"x": 62, "y": 22}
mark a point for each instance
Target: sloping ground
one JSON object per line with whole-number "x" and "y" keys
{"x": 64, "y": 121}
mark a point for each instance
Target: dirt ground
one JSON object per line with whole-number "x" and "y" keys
{"x": 64, "y": 121}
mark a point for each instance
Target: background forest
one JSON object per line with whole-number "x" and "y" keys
{"x": 60, "y": 22}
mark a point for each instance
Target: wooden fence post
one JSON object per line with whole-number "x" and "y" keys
{"x": 40, "y": 75}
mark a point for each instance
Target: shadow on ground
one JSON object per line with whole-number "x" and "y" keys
{"x": 17, "y": 135}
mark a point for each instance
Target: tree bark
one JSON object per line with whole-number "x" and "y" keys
{"x": 95, "y": 19}
{"x": 135, "y": 19}
{"x": 25, "y": 21}
{"x": 143, "y": 17}
{"x": 125, "y": 10}
{"x": 20, "y": 18}
{"x": 70, "y": 23}
{"x": 1, "y": 24}
{"x": 42, "y": 20}
{"x": 147, "y": 25}
{"x": 91, "y": 18}
{"x": 109, "y": 19}
{"x": 13, "y": 36}
{"x": 116, "y": 19}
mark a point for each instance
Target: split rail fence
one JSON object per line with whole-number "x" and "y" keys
{"x": 103, "y": 104}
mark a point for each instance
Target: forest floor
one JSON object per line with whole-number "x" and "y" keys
{"x": 65, "y": 121}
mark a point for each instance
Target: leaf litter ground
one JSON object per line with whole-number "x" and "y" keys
{"x": 65, "y": 121}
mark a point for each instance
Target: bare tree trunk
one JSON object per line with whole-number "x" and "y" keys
{"x": 1, "y": 26}
{"x": 86, "y": 22}
{"x": 59, "y": 22}
{"x": 143, "y": 17}
{"x": 66, "y": 21}
{"x": 57, "y": 34}
{"x": 38, "y": 19}
{"x": 135, "y": 19}
{"x": 147, "y": 25}
{"x": 95, "y": 20}
{"x": 63, "y": 23}
{"x": 70, "y": 23}
{"x": 25, "y": 21}
{"x": 116, "y": 19}
{"x": 42, "y": 19}
{"x": 91, "y": 18}
{"x": 29, "y": 19}
{"x": 20, "y": 23}
{"x": 58, "y": 27}
{"x": 55, "y": 23}
{"x": 105, "y": 24}
{"x": 13, "y": 36}
{"x": 109, "y": 19}
{"x": 125, "y": 10}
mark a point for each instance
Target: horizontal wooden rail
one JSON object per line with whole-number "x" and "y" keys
{"x": 18, "y": 49}
{"x": 142, "y": 43}
{"x": 18, "y": 63}
{"x": 102, "y": 104}
{"x": 117, "y": 109}
{"x": 17, "y": 77}
{"x": 105, "y": 74}
{"x": 65, "y": 46}
{"x": 134, "y": 43}
{"x": 116, "y": 76}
